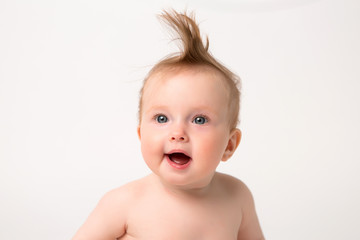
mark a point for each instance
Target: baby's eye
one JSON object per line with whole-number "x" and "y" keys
{"x": 200, "y": 120}
{"x": 161, "y": 118}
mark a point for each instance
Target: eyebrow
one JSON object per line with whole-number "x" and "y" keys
{"x": 152, "y": 108}
{"x": 198, "y": 108}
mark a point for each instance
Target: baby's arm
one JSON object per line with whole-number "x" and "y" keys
{"x": 250, "y": 226}
{"x": 107, "y": 221}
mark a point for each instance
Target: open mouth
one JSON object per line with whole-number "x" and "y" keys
{"x": 179, "y": 158}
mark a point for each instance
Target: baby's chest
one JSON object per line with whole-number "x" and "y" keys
{"x": 162, "y": 222}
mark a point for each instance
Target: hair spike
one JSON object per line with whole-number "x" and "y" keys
{"x": 185, "y": 26}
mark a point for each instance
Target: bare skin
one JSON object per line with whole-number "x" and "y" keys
{"x": 184, "y": 133}
{"x": 146, "y": 209}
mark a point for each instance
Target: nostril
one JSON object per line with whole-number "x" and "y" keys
{"x": 177, "y": 138}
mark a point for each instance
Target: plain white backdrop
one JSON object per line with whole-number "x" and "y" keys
{"x": 70, "y": 73}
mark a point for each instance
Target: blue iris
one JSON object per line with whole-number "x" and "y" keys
{"x": 161, "y": 119}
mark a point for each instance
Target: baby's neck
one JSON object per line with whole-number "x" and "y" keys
{"x": 198, "y": 192}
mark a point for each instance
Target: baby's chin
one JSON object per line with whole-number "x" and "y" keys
{"x": 186, "y": 184}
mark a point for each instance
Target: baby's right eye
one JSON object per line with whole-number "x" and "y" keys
{"x": 161, "y": 118}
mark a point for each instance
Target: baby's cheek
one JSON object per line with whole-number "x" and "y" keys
{"x": 210, "y": 142}
{"x": 151, "y": 145}
{"x": 147, "y": 149}
{"x": 149, "y": 155}
{"x": 215, "y": 147}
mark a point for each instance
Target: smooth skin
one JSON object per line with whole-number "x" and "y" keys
{"x": 183, "y": 111}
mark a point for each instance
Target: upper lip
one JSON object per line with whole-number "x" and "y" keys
{"x": 178, "y": 151}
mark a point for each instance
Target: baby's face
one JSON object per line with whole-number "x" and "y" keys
{"x": 184, "y": 128}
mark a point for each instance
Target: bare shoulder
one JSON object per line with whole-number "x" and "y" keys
{"x": 240, "y": 192}
{"x": 234, "y": 185}
{"x": 126, "y": 193}
{"x": 250, "y": 226}
{"x": 109, "y": 218}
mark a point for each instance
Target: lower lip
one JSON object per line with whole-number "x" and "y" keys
{"x": 177, "y": 166}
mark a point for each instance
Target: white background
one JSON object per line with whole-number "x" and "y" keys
{"x": 70, "y": 72}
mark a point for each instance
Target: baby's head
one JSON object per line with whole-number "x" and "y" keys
{"x": 194, "y": 56}
{"x": 188, "y": 111}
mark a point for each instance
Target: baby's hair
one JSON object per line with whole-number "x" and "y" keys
{"x": 193, "y": 53}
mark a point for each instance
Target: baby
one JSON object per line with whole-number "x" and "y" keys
{"x": 188, "y": 112}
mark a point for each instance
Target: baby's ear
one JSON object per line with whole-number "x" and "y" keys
{"x": 233, "y": 143}
{"x": 138, "y": 132}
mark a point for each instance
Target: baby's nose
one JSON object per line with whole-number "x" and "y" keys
{"x": 178, "y": 135}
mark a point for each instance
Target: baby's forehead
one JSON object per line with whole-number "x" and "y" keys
{"x": 162, "y": 75}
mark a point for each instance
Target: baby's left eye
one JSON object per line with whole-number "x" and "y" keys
{"x": 200, "y": 120}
